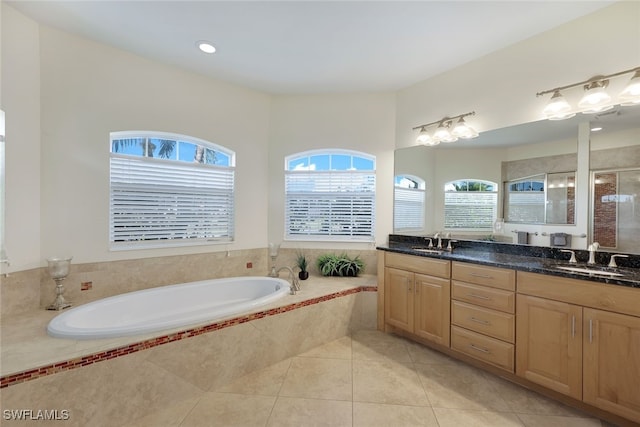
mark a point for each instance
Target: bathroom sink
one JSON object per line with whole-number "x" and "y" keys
{"x": 590, "y": 271}
{"x": 428, "y": 250}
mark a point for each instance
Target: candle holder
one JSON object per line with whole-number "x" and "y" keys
{"x": 273, "y": 253}
{"x": 59, "y": 270}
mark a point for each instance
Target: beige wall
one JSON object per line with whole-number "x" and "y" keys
{"x": 362, "y": 122}
{"x": 89, "y": 90}
{"x": 20, "y": 99}
{"x": 501, "y": 86}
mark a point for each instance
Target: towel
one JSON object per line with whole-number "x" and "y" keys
{"x": 523, "y": 237}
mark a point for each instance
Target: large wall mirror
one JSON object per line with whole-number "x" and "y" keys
{"x": 538, "y": 165}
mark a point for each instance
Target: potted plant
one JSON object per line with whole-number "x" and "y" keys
{"x": 340, "y": 265}
{"x": 301, "y": 262}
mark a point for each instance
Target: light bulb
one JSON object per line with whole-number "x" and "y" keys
{"x": 462, "y": 130}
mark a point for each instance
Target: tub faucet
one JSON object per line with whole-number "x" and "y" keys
{"x": 593, "y": 248}
{"x": 295, "y": 285}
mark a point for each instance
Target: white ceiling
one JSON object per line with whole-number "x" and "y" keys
{"x": 308, "y": 46}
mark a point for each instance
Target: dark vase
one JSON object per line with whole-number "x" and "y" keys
{"x": 303, "y": 275}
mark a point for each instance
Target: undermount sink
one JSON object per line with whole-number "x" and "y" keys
{"x": 428, "y": 251}
{"x": 591, "y": 271}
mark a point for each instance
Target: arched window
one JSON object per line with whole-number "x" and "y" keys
{"x": 330, "y": 195}
{"x": 169, "y": 190}
{"x": 409, "y": 203}
{"x": 470, "y": 204}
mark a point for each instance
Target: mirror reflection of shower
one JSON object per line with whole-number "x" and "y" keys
{"x": 615, "y": 222}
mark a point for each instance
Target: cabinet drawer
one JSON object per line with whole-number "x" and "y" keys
{"x": 620, "y": 299}
{"x": 496, "y": 299}
{"x": 483, "y": 320}
{"x": 488, "y": 276}
{"x": 490, "y": 350}
{"x": 418, "y": 264}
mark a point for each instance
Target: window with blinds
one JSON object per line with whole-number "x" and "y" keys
{"x": 169, "y": 190}
{"x": 409, "y": 203}
{"x": 470, "y": 205}
{"x": 330, "y": 195}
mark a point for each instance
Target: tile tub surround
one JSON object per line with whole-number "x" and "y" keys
{"x": 28, "y": 352}
{"x": 143, "y": 378}
{"x": 25, "y": 291}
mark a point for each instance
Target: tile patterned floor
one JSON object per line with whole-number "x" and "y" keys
{"x": 370, "y": 379}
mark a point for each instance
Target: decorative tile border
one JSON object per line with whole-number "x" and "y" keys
{"x": 78, "y": 362}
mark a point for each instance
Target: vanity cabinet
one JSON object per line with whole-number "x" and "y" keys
{"x": 549, "y": 349}
{"x": 417, "y": 295}
{"x": 581, "y": 339}
{"x": 483, "y": 313}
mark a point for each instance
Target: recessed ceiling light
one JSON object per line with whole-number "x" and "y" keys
{"x": 205, "y": 46}
{"x": 596, "y": 128}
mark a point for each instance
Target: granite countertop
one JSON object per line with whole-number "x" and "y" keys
{"x": 526, "y": 258}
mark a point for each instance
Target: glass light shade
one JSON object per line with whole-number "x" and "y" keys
{"x": 596, "y": 99}
{"x": 462, "y": 130}
{"x": 423, "y": 137}
{"x": 442, "y": 134}
{"x": 631, "y": 93}
{"x": 558, "y": 108}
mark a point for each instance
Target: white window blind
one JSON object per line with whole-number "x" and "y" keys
{"x": 164, "y": 202}
{"x": 408, "y": 208}
{"x": 331, "y": 205}
{"x": 473, "y": 211}
{"x": 526, "y": 207}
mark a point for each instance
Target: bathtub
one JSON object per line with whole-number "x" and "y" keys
{"x": 166, "y": 307}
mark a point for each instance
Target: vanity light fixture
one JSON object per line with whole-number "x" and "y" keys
{"x": 444, "y": 132}
{"x": 595, "y": 98}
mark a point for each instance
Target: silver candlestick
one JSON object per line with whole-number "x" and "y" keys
{"x": 273, "y": 253}
{"x": 59, "y": 270}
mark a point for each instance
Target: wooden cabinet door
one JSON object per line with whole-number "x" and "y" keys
{"x": 549, "y": 344}
{"x": 432, "y": 308}
{"x": 612, "y": 362}
{"x": 398, "y": 295}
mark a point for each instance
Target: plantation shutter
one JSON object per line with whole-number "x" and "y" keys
{"x": 469, "y": 210}
{"x": 340, "y": 204}
{"x": 408, "y": 208}
{"x": 161, "y": 201}
{"x": 526, "y": 206}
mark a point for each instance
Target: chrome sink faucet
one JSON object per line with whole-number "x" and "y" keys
{"x": 612, "y": 262}
{"x": 593, "y": 248}
{"x": 430, "y": 245}
{"x": 295, "y": 285}
{"x": 437, "y": 236}
{"x": 572, "y": 260}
